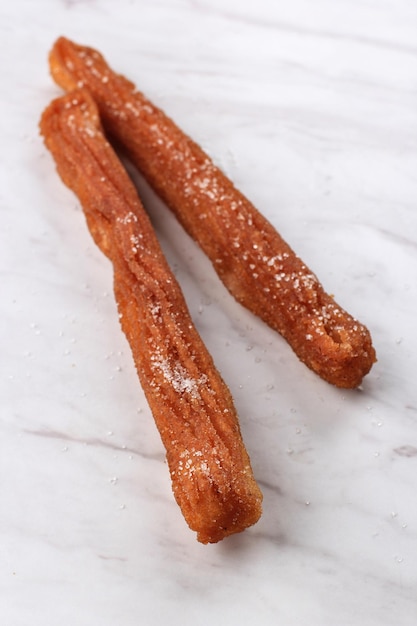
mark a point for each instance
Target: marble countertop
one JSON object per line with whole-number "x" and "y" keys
{"x": 310, "y": 108}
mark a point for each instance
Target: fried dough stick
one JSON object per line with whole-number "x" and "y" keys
{"x": 210, "y": 469}
{"x": 257, "y": 266}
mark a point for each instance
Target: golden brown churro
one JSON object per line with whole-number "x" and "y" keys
{"x": 210, "y": 469}
{"x": 257, "y": 266}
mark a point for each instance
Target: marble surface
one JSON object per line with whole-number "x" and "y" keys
{"x": 310, "y": 107}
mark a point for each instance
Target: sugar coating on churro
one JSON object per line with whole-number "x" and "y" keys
{"x": 212, "y": 479}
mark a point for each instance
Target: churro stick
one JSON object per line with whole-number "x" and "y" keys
{"x": 210, "y": 470}
{"x": 257, "y": 266}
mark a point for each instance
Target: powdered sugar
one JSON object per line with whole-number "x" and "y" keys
{"x": 193, "y": 463}
{"x": 128, "y": 218}
{"x": 178, "y": 376}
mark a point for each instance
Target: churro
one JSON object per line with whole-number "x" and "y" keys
{"x": 212, "y": 479}
{"x": 257, "y": 266}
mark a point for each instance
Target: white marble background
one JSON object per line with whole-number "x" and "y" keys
{"x": 310, "y": 107}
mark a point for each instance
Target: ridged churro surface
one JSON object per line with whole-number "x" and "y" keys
{"x": 257, "y": 266}
{"x": 210, "y": 469}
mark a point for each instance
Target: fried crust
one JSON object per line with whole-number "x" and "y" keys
{"x": 212, "y": 479}
{"x": 256, "y": 265}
